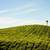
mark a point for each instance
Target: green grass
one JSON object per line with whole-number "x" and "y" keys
{"x": 38, "y": 35}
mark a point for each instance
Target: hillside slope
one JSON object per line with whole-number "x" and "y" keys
{"x": 34, "y": 34}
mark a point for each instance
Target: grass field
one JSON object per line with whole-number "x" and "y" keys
{"x": 28, "y": 37}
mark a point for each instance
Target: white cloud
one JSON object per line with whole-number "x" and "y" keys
{"x": 28, "y": 8}
{"x": 8, "y": 10}
{"x": 14, "y": 9}
{"x": 20, "y": 8}
{"x": 3, "y": 11}
{"x": 26, "y": 11}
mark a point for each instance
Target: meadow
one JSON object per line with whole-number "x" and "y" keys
{"x": 27, "y": 37}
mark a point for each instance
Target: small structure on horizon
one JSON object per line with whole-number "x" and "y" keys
{"x": 47, "y": 22}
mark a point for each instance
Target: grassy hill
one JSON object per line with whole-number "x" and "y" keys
{"x": 28, "y": 37}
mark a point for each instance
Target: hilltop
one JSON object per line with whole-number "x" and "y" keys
{"x": 25, "y": 31}
{"x": 37, "y": 34}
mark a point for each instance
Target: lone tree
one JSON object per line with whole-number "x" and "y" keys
{"x": 46, "y": 22}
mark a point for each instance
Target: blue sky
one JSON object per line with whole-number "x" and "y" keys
{"x": 21, "y": 12}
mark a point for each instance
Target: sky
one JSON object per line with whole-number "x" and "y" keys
{"x": 23, "y": 12}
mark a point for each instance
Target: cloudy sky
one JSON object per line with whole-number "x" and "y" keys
{"x": 21, "y": 12}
